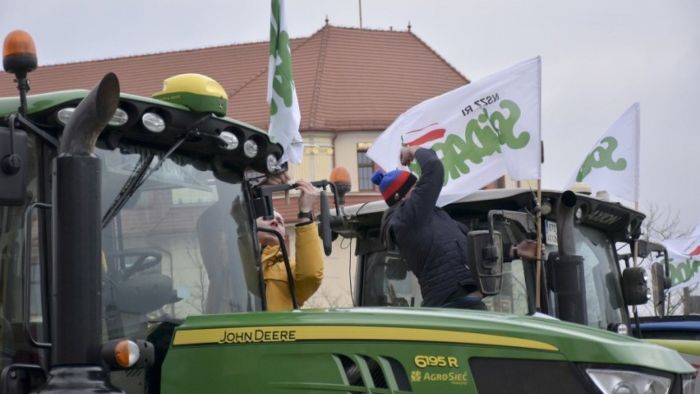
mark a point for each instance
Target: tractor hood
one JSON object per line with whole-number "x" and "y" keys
{"x": 573, "y": 342}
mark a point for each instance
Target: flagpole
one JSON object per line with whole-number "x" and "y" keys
{"x": 636, "y": 179}
{"x": 538, "y": 263}
{"x": 635, "y": 247}
{"x": 635, "y": 250}
{"x": 538, "y": 304}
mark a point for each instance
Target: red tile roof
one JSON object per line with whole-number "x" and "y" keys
{"x": 347, "y": 78}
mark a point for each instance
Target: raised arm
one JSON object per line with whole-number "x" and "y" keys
{"x": 423, "y": 198}
{"x": 308, "y": 270}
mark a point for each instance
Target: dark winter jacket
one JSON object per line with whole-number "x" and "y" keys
{"x": 432, "y": 243}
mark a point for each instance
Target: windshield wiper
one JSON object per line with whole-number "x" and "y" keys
{"x": 138, "y": 176}
{"x": 141, "y": 171}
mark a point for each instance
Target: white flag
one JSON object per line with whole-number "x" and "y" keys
{"x": 281, "y": 93}
{"x": 613, "y": 164}
{"x": 478, "y": 131}
{"x": 684, "y": 259}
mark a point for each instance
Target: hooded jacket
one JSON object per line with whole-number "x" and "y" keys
{"x": 307, "y": 267}
{"x": 431, "y": 242}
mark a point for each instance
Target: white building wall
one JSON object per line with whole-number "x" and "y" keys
{"x": 346, "y": 151}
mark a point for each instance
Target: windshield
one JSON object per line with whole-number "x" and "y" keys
{"x": 386, "y": 281}
{"x": 604, "y": 303}
{"x": 174, "y": 248}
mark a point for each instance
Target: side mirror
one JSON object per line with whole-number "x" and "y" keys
{"x": 486, "y": 260}
{"x": 13, "y": 165}
{"x": 645, "y": 248}
{"x": 634, "y": 286}
{"x": 325, "y": 225}
{"x": 659, "y": 284}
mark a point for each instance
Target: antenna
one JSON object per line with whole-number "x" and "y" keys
{"x": 359, "y": 3}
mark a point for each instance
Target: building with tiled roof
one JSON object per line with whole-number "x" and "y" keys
{"x": 351, "y": 84}
{"x": 347, "y": 79}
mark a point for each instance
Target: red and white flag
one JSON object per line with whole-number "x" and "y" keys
{"x": 479, "y": 131}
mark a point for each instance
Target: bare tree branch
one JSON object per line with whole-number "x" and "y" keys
{"x": 662, "y": 224}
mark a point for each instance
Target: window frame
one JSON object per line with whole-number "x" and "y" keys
{"x": 362, "y": 181}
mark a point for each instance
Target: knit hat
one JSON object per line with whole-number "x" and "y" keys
{"x": 394, "y": 184}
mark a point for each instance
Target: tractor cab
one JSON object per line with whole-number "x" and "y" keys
{"x": 171, "y": 185}
{"x": 596, "y": 229}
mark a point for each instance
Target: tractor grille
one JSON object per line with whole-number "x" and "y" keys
{"x": 382, "y": 373}
{"x": 497, "y": 375}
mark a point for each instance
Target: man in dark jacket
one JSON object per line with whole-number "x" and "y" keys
{"x": 432, "y": 243}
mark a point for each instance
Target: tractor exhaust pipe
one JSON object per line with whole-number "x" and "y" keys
{"x": 76, "y": 288}
{"x": 569, "y": 280}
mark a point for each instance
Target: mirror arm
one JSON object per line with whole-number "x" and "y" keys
{"x": 41, "y": 133}
{"x": 667, "y": 270}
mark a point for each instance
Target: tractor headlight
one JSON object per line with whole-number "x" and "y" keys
{"x": 153, "y": 122}
{"x": 64, "y": 115}
{"x": 119, "y": 118}
{"x": 229, "y": 139}
{"x": 250, "y": 148}
{"x": 272, "y": 163}
{"x": 611, "y": 381}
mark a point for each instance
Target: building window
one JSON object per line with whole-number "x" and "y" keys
{"x": 365, "y": 168}
{"x": 317, "y": 162}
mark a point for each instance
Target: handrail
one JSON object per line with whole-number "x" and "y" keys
{"x": 26, "y": 280}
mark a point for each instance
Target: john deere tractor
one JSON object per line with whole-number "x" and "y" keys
{"x": 129, "y": 263}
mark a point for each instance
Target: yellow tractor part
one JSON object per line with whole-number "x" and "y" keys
{"x": 196, "y": 92}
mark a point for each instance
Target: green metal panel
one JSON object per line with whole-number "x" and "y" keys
{"x": 255, "y": 357}
{"x": 315, "y": 367}
{"x": 40, "y": 102}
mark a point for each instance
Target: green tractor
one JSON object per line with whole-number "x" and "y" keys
{"x": 107, "y": 285}
{"x": 584, "y": 278}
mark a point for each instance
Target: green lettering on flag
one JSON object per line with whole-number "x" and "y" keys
{"x": 483, "y": 137}
{"x": 285, "y": 116}
{"x": 279, "y": 49}
{"x": 683, "y": 271}
{"x": 602, "y": 157}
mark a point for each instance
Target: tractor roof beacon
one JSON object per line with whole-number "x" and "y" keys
{"x": 128, "y": 264}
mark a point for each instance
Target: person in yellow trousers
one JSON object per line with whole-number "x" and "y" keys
{"x": 307, "y": 266}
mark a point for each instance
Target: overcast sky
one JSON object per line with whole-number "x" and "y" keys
{"x": 598, "y": 58}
